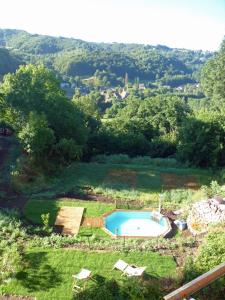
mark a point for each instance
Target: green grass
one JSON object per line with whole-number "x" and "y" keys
{"x": 49, "y": 272}
{"x": 147, "y": 187}
{"x": 35, "y": 208}
{"x": 97, "y": 232}
{"x": 148, "y": 181}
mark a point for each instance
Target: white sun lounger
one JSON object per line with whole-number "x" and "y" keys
{"x": 120, "y": 265}
{"x": 83, "y": 275}
{"x": 134, "y": 271}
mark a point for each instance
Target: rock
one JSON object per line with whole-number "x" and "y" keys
{"x": 204, "y": 213}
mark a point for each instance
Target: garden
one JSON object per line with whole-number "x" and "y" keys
{"x": 39, "y": 262}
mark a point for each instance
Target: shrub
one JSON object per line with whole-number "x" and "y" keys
{"x": 45, "y": 221}
{"x": 163, "y": 146}
{"x": 211, "y": 253}
{"x": 11, "y": 262}
{"x": 101, "y": 289}
{"x": 176, "y": 197}
{"x": 213, "y": 189}
{"x": 134, "y": 289}
{"x": 126, "y": 289}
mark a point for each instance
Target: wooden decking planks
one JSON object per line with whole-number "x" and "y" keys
{"x": 94, "y": 222}
{"x": 69, "y": 218}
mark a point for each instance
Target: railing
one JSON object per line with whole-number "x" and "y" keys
{"x": 197, "y": 284}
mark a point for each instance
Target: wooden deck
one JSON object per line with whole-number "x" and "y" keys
{"x": 69, "y": 219}
{"x": 94, "y": 222}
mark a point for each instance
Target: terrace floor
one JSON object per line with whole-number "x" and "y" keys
{"x": 69, "y": 219}
{"x": 94, "y": 222}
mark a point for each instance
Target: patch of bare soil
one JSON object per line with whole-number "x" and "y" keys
{"x": 172, "y": 181}
{"x": 91, "y": 196}
{"x": 16, "y": 298}
{"x": 121, "y": 176}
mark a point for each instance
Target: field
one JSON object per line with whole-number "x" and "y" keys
{"x": 131, "y": 182}
{"x": 49, "y": 273}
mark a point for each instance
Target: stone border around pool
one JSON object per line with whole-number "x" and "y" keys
{"x": 136, "y": 237}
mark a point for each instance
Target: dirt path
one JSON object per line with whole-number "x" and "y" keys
{"x": 9, "y": 198}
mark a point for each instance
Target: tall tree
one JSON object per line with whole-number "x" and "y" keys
{"x": 213, "y": 79}
{"x": 36, "y": 107}
{"x": 202, "y": 140}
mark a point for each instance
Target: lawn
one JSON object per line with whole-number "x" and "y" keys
{"x": 128, "y": 181}
{"x": 48, "y": 275}
{"x": 35, "y": 208}
{"x": 113, "y": 180}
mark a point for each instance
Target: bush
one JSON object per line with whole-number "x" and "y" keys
{"x": 11, "y": 230}
{"x": 202, "y": 140}
{"x": 126, "y": 289}
{"x": 211, "y": 253}
{"x": 213, "y": 189}
{"x": 11, "y": 262}
{"x": 45, "y": 220}
{"x": 176, "y": 197}
{"x": 134, "y": 289}
{"x": 163, "y": 146}
{"x": 106, "y": 290}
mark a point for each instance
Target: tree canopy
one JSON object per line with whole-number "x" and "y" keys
{"x": 47, "y": 123}
{"x": 72, "y": 57}
{"x": 213, "y": 78}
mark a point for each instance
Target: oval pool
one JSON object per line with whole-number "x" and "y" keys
{"x": 137, "y": 224}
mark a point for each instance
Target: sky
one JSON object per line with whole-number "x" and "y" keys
{"x": 191, "y": 24}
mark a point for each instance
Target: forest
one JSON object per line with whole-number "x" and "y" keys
{"x": 71, "y": 58}
{"x": 158, "y": 122}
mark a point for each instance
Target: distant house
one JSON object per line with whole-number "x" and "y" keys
{"x": 117, "y": 95}
{"x": 106, "y": 96}
{"x": 124, "y": 94}
{"x": 141, "y": 86}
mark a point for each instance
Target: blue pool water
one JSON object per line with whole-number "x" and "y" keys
{"x": 132, "y": 223}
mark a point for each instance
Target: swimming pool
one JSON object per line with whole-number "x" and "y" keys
{"x": 137, "y": 224}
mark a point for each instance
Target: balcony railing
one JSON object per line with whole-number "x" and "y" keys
{"x": 197, "y": 284}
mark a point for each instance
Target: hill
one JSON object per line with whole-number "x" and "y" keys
{"x": 9, "y": 62}
{"x": 71, "y": 58}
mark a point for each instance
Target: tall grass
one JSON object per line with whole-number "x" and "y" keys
{"x": 139, "y": 160}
